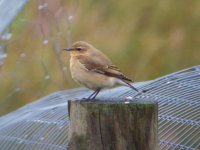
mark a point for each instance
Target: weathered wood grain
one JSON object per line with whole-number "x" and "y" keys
{"x": 113, "y": 125}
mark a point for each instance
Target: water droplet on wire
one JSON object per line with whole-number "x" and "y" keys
{"x": 70, "y": 17}
{"x": 129, "y": 98}
{"x": 17, "y": 89}
{"x": 22, "y": 55}
{"x": 47, "y": 77}
{"x": 45, "y": 42}
{"x": 6, "y": 36}
{"x": 41, "y": 138}
{"x": 43, "y": 6}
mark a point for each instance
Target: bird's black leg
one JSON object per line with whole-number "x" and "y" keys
{"x": 97, "y": 92}
{"x": 94, "y": 94}
{"x": 90, "y": 97}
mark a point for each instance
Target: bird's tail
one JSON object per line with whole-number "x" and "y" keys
{"x": 126, "y": 83}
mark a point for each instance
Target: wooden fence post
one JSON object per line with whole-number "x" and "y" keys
{"x": 113, "y": 125}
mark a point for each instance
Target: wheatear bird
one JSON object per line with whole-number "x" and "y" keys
{"x": 92, "y": 69}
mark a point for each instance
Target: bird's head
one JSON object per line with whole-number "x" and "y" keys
{"x": 80, "y": 48}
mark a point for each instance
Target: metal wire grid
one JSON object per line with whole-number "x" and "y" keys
{"x": 47, "y": 23}
{"x": 44, "y": 124}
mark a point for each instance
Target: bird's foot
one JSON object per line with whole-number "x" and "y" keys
{"x": 87, "y": 99}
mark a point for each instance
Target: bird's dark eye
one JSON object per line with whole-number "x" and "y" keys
{"x": 79, "y": 48}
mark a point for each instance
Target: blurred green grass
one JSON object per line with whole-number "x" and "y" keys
{"x": 145, "y": 39}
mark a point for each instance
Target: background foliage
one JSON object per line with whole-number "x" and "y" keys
{"x": 145, "y": 39}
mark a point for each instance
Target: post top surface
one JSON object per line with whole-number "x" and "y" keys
{"x": 115, "y": 101}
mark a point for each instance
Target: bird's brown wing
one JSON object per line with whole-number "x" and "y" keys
{"x": 102, "y": 65}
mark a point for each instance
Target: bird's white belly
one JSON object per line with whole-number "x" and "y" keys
{"x": 88, "y": 78}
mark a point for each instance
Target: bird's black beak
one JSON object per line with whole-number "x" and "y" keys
{"x": 68, "y": 49}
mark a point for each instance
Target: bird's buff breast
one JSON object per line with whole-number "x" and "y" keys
{"x": 88, "y": 78}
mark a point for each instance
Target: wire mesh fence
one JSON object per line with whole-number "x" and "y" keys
{"x": 32, "y": 63}
{"x": 44, "y": 124}
{"x": 31, "y": 58}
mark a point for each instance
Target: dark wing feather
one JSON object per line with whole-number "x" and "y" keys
{"x": 101, "y": 64}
